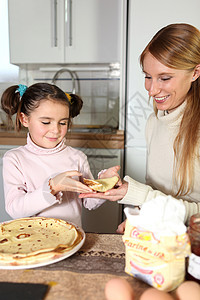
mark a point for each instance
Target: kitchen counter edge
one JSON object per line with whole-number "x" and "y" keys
{"x": 78, "y": 139}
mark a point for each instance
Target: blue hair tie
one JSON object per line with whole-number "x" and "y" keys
{"x": 21, "y": 89}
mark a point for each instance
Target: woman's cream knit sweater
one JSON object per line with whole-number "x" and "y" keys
{"x": 160, "y": 134}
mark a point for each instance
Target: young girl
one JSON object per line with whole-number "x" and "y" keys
{"x": 38, "y": 176}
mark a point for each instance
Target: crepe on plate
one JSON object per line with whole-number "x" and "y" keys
{"x": 101, "y": 185}
{"x": 32, "y": 240}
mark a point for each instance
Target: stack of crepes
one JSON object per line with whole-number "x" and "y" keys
{"x": 156, "y": 243}
{"x": 37, "y": 239}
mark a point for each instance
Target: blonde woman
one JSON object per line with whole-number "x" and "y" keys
{"x": 171, "y": 65}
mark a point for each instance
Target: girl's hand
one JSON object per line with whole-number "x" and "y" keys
{"x": 63, "y": 182}
{"x": 111, "y": 195}
{"x": 111, "y": 172}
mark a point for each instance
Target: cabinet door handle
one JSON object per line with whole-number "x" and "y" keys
{"x": 68, "y": 22}
{"x": 54, "y": 23}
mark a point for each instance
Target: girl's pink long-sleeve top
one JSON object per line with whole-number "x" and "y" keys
{"x": 26, "y": 173}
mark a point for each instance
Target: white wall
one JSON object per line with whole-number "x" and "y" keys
{"x": 145, "y": 19}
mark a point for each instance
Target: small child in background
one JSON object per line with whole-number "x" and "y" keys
{"x": 38, "y": 176}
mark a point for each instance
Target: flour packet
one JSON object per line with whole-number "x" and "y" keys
{"x": 156, "y": 243}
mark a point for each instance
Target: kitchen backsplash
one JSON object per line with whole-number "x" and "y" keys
{"x": 98, "y": 85}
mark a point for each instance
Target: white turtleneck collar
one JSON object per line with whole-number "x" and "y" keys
{"x": 172, "y": 116}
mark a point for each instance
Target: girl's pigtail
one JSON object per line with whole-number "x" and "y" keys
{"x": 76, "y": 104}
{"x": 10, "y": 101}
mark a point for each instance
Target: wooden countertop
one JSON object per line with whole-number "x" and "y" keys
{"x": 113, "y": 140}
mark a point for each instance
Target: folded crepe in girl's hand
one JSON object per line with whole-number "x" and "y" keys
{"x": 101, "y": 185}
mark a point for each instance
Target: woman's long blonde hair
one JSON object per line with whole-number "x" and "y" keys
{"x": 177, "y": 46}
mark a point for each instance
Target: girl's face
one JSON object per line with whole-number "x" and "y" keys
{"x": 47, "y": 124}
{"x": 167, "y": 86}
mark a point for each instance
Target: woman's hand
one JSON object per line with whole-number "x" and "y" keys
{"x": 111, "y": 195}
{"x": 63, "y": 182}
{"x": 121, "y": 227}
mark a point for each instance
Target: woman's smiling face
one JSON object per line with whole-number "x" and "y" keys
{"x": 167, "y": 86}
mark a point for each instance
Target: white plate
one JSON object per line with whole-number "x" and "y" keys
{"x": 49, "y": 261}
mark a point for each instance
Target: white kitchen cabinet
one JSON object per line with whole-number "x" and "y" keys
{"x": 65, "y": 31}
